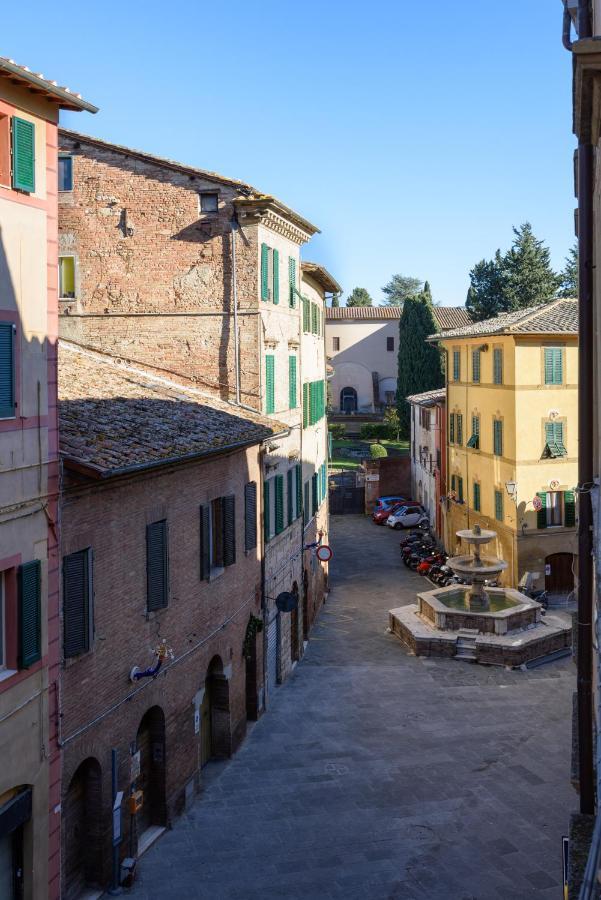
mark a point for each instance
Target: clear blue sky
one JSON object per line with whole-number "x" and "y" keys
{"x": 413, "y": 134}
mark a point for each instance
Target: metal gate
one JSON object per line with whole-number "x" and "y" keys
{"x": 345, "y": 496}
{"x": 271, "y": 678}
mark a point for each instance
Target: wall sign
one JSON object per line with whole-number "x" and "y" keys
{"x": 134, "y": 766}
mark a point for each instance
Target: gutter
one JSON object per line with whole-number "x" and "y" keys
{"x": 74, "y": 101}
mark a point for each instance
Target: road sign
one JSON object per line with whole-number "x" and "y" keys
{"x": 324, "y": 553}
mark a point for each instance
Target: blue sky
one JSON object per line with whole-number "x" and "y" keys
{"x": 413, "y": 134}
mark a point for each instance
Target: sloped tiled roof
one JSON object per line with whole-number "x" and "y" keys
{"x": 446, "y": 316}
{"x": 36, "y": 83}
{"x": 556, "y": 317}
{"x": 321, "y": 275}
{"x": 428, "y": 398}
{"x": 114, "y": 418}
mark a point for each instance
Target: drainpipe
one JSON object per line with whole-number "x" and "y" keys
{"x": 585, "y": 455}
{"x": 445, "y": 450}
{"x": 235, "y": 301}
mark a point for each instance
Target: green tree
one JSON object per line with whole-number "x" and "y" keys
{"x": 378, "y": 451}
{"x": 486, "y": 293}
{"x": 528, "y": 277}
{"x": 399, "y": 288}
{"x": 337, "y": 430}
{"x": 359, "y": 297}
{"x": 391, "y": 418}
{"x": 419, "y": 362}
{"x": 335, "y": 300}
{"x": 568, "y": 286}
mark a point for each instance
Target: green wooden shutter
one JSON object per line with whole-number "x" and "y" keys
{"x": 7, "y": 370}
{"x": 250, "y": 516}
{"x": 456, "y": 365}
{"x": 305, "y": 315}
{"x": 314, "y": 500}
{"x": 541, "y": 514}
{"x": 553, "y": 365}
{"x": 205, "y": 543}
{"x": 460, "y": 489}
{"x": 290, "y": 496}
{"x": 497, "y": 365}
{"x": 292, "y": 281}
{"x": 569, "y": 505}
{"x": 475, "y": 366}
{"x": 299, "y": 490}
{"x": 452, "y": 428}
{"x": 30, "y": 613}
{"x": 306, "y": 505}
{"x": 498, "y": 437}
{"x": 76, "y": 603}
{"x": 459, "y": 429}
{"x": 157, "y": 566}
{"x": 229, "y": 530}
{"x": 476, "y": 496}
{"x": 499, "y": 506}
{"x": 305, "y": 404}
{"x": 453, "y": 483}
{"x": 264, "y": 272}
{"x": 23, "y": 155}
{"x": 279, "y": 504}
{"x": 276, "y": 276}
{"x": 269, "y": 384}
{"x": 266, "y": 512}
{"x": 292, "y": 382}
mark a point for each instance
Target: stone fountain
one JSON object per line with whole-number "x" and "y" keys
{"x": 477, "y": 622}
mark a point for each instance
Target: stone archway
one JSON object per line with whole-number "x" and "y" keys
{"x": 82, "y": 830}
{"x": 150, "y": 743}
{"x": 348, "y": 400}
{"x": 216, "y": 727}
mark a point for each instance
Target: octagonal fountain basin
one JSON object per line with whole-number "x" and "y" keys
{"x": 451, "y": 609}
{"x": 459, "y": 598}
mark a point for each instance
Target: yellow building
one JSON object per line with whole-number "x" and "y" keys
{"x": 512, "y": 438}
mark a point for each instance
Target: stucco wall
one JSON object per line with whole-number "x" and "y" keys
{"x": 362, "y": 352}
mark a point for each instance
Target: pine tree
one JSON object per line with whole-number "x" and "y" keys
{"x": 528, "y": 277}
{"x": 419, "y": 363}
{"x": 569, "y": 277}
{"x": 359, "y": 297}
{"x": 486, "y": 295}
{"x": 399, "y": 288}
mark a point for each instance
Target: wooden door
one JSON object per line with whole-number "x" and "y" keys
{"x": 74, "y": 817}
{"x": 205, "y": 726}
{"x": 294, "y": 635}
{"x": 560, "y": 577}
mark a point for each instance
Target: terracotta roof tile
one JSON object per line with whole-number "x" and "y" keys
{"x": 556, "y": 317}
{"x": 446, "y": 316}
{"x": 428, "y": 398}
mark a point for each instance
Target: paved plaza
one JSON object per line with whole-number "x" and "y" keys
{"x": 378, "y": 775}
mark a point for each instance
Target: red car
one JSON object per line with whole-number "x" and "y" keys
{"x": 380, "y": 516}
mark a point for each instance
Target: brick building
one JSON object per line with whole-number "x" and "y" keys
{"x": 161, "y": 547}
{"x": 29, "y": 628}
{"x": 199, "y": 275}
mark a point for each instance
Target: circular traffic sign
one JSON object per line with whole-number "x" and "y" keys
{"x": 324, "y": 553}
{"x": 537, "y": 503}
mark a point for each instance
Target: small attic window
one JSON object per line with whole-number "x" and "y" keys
{"x": 209, "y": 201}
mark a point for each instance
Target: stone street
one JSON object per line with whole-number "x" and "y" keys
{"x": 378, "y": 775}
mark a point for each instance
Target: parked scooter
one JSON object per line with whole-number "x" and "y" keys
{"x": 430, "y": 562}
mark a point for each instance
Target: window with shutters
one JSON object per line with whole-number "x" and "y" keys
{"x": 299, "y": 489}
{"x": 30, "y": 613}
{"x": 452, "y": 428}
{"x": 290, "y": 495}
{"x": 460, "y": 489}
{"x": 78, "y": 618}
{"x": 66, "y": 277}
{"x": 475, "y": 366}
{"x": 454, "y": 483}
{"x": 554, "y": 509}
{"x": 459, "y": 429}
{"x": 313, "y": 318}
{"x": 499, "y": 506}
{"x": 250, "y": 516}
{"x": 208, "y": 202}
{"x": 497, "y": 426}
{"x": 216, "y": 537}
{"x": 5, "y": 150}
{"x": 291, "y": 281}
{"x": 314, "y": 493}
{"x": 65, "y": 172}
{"x": 279, "y": 503}
{"x": 292, "y": 382}
{"x": 7, "y": 370}
{"x": 269, "y": 383}
{"x": 157, "y": 566}
{"x": 390, "y": 344}
{"x": 476, "y": 493}
{"x": 554, "y": 444}
{"x": 474, "y": 441}
{"x": 497, "y": 365}
{"x": 456, "y": 365}
{"x": 307, "y": 503}
{"x": 23, "y": 155}
{"x": 275, "y": 276}
{"x": 270, "y": 274}
{"x": 335, "y": 344}
{"x": 553, "y": 365}
{"x": 306, "y": 316}
{"x": 305, "y": 404}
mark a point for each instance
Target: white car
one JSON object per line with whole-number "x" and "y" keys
{"x": 407, "y": 516}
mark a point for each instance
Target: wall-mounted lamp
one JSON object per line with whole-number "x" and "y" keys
{"x": 512, "y": 489}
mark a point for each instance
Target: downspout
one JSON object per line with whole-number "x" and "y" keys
{"x": 585, "y": 455}
{"x": 446, "y": 450}
{"x": 235, "y": 301}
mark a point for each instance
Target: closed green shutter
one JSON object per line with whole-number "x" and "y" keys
{"x": 497, "y": 437}
{"x": 292, "y": 281}
{"x": 30, "y": 613}
{"x": 76, "y": 603}
{"x": 497, "y": 355}
{"x": 553, "y": 365}
{"x": 264, "y": 272}
{"x": 276, "y": 276}
{"x": 290, "y": 496}
{"x": 23, "y": 155}
{"x": 476, "y": 496}
{"x": 452, "y": 428}
{"x": 460, "y": 489}
{"x": 456, "y": 365}
{"x": 305, "y": 404}
{"x": 279, "y": 503}
{"x": 292, "y": 382}
{"x": 250, "y": 516}
{"x": 306, "y": 316}
{"x": 157, "y": 566}
{"x": 269, "y": 384}
{"x": 459, "y": 429}
{"x": 299, "y": 490}
{"x": 266, "y": 512}
{"x": 314, "y": 500}
{"x": 499, "y": 506}
{"x": 453, "y": 483}
{"x": 229, "y": 530}
{"x": 7, "y": 370}
{"x": 205, "y": 543}
{"x": 541, "y": 514}
{"x": 569, "y": 504}
{"x": 475, "y": 366}
{"x": 311, "y": 403}
{"x": 306, "y": 506}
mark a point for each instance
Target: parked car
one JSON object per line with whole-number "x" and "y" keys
{"x": 379, "y": 516}
{"x": 388, "y": 501}
{"x": 407, "y": 516}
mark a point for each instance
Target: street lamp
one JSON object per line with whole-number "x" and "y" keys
{"x": 512, "y": 490}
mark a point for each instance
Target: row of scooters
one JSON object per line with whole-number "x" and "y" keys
{"x": 420, "y": 552}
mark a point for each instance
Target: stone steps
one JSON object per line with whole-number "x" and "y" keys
{"x": 466, "y": 644}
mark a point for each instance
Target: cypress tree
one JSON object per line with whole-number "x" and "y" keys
{"x": 419, "y": 363}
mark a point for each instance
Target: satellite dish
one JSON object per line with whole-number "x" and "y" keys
{"x": 324, "y": 553}
{"x": 286, "y": 601}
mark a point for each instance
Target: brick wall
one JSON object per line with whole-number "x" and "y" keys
{"x": 112, "y": 519}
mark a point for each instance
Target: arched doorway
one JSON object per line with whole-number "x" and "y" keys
{"x": 305, "y": 605}
{"x": 82, "y": 830}
{"x": 215, "y": 727}
{"x": 559, "y": 573}
{"x": 294, "y": 652}
{"x": 150, "y": 743}
{"x": 348, "y": 400}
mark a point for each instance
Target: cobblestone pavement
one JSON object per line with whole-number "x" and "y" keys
{"x": 378, "y": 775}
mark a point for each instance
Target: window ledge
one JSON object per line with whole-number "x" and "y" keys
{"x": 5, "y": 674}
{"x": 216, "y": 572}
